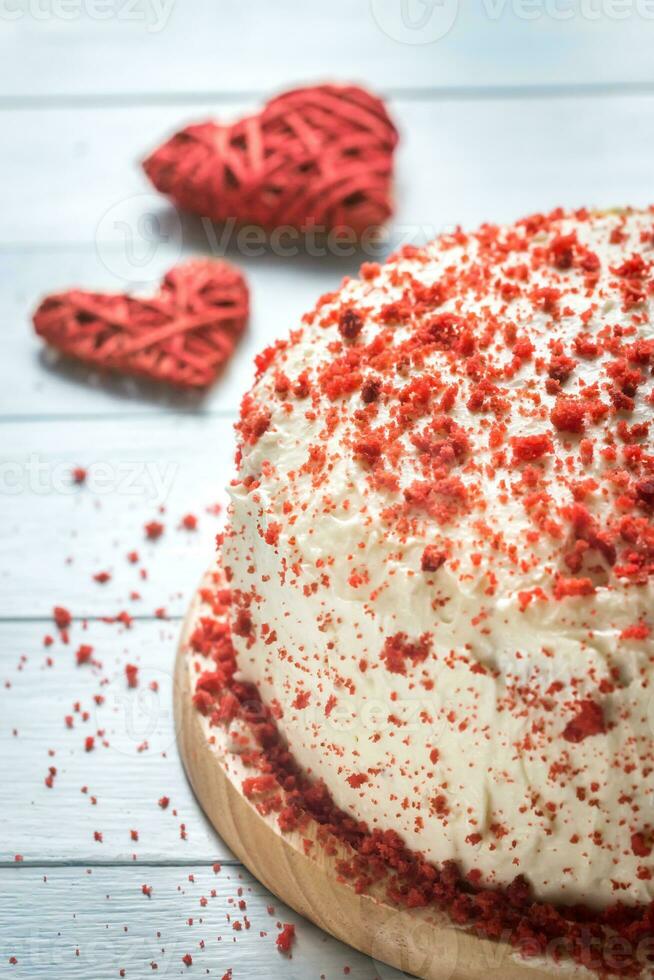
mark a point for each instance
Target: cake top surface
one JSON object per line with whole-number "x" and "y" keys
{"x": 488, "y": 397}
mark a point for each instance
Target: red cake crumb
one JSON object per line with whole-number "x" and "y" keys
{"x": 286, "y": 938}
{"x": 645, "y": 492}
{"x": 370, "y": 390}
{"x": 62, "y": 617}
{"x": 258, "y": 784}
{"x": 588, "y": 721}
{"x": 641, "y": 845}
{"x": 84, "y": 653}
{"x": 432, "y": 558}
{"x": 399, "y": 650}
{"x": 566, "y": 587}
{"x": 527, "y": 448}
{"x": 154, "y": 530}
{"x": 350, "y": 324}
{"x": 254, "y": 421}
{"x": 569, "y": 414}
{"x": 639, "y": 631}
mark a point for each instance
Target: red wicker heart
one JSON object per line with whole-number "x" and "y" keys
{"x": 182, "y": 335}
{"x": 319, "y": 156}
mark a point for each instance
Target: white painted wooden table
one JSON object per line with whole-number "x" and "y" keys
{"x": 517, "y": 108}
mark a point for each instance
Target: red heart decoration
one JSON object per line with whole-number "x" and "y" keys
{"x": 182, "y": 335}
{"x": 313, "y": 156}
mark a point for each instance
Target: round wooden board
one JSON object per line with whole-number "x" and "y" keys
{"x": 420, "y": 942}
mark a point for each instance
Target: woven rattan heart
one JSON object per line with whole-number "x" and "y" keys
{"x": 320, "y": 156}
{"x": 182, "y": 335}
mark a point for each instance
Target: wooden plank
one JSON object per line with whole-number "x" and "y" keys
{"x": 126, "y": 778}
{"x": 55, "y": 537}
{"x": 156, "y": 47}
{"x": 88, "y": 924}
{"x": 94, "y": 159}
{"x": 458, "y": 163}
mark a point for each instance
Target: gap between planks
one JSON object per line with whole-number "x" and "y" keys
{"x": 441, "y": 93}
{"x": 36, "y": 863}
{"x": 161, "y": 412}
{"x": 172, "y": 618}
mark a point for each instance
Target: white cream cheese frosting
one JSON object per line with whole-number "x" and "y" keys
{"x": 441, "y": 550}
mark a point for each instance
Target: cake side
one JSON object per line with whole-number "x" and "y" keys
{"x": 441, "y": 549}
